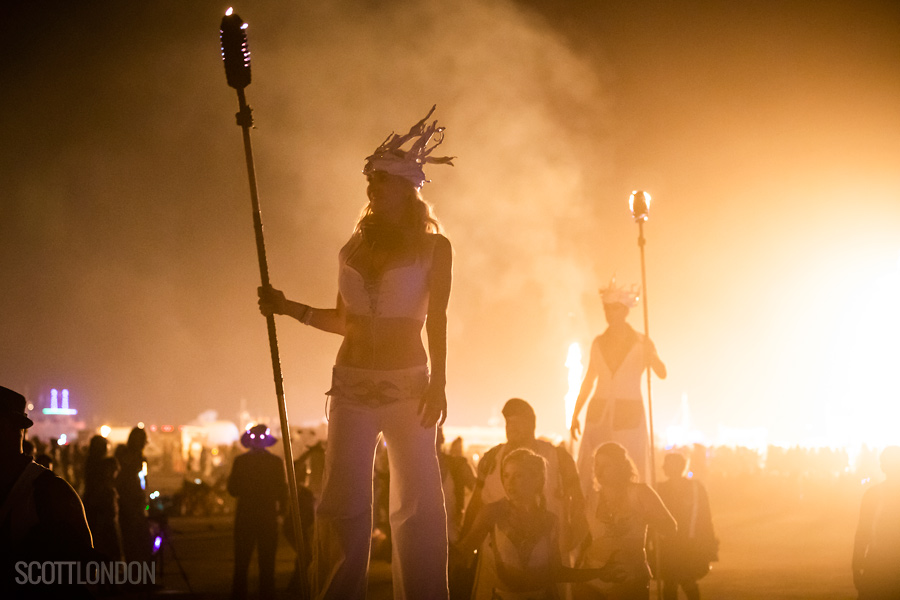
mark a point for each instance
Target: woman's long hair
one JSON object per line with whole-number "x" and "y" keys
{"x": 419, "y": 217}
{"x": 618, "y": 456}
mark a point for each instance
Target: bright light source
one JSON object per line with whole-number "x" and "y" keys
{"x": 576, "y": 372}
{"x": 639, "y": 203}
{"x": 229, "y": 12}
{"x": 105, "y": 430}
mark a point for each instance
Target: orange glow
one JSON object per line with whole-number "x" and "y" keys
{"x": 576, "y": 374}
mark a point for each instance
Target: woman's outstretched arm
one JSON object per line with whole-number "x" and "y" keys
{"x": 587, "y": 385}
{"x": 332, "y": 320}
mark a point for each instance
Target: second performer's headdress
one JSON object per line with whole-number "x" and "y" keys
{"x": 391, "y": 158}
{"x": 612, "y": 294}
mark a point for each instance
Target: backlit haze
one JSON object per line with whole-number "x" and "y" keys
{"x": 769, "y": 138}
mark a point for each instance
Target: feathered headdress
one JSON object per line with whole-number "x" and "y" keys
{"x": 612, "y": 294}
{"x": 391, "y": 158}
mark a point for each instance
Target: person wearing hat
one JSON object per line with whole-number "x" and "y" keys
{"x": 562, "y": 491}
{"x": 615, "y": 412}
{"x": 258, "y": 481}
{"x": 41, "y": 515}
{"x": 394, "y": 281}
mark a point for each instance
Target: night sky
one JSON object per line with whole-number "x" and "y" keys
{"x": 767, "y": 132}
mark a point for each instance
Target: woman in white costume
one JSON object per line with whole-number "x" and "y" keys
{"x": 615, "y": 412}
{"x": 394, "y": 278}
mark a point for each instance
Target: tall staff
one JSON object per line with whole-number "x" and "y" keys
{"x": 236, "y": 55}
{"x": 639, "y": 203}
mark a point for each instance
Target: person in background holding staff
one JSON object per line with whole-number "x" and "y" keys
{"x": 394, "y": 277}
{"x": 616, "y": 410}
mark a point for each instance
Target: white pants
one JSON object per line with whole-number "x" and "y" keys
{"x": 364, "y": 403}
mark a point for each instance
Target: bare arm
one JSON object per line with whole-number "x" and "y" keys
{"x": 433, "y": 406}
{"x": 562, "y": 573}
{"x": 476, "y": 502}
{"x": 332, "y": 320}
{"x": 472, "y": 508}
{"x": 587, "y": 386}
{"x": 655, "y": 511}
{"x": 479, "y": 530}
{"x": 652, "y": 360}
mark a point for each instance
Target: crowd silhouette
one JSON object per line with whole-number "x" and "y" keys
{"x": 520, "y": 506}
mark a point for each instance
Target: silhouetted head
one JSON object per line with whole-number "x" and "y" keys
{"x": 615, "y": 313}
{"x": 13, "y": 421}
{"x": 674, "y": 465}
{"x": 137, "y": 439}
{"x": 520, "y": 421}
{"x": 523, "y": 474}
{"x": 12, "y": 409}
{"x": 97, "y": 448}
{"x": 456, "y": 446}
{"x": 890, "y": 462}
{"x": 613, "y": 466}
{"x": 258, "y": 437}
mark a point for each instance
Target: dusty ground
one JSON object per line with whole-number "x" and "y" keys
{"x": 779, "y": 540}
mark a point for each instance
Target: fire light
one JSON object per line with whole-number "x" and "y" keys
{"x": 576, "y": 373}
{"x": 639, "y": 203}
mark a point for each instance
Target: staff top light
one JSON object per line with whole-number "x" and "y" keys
{"x": 235, "y": 52}
{"x": 639, "y": 203}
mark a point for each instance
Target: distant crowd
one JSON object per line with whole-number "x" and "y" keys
{"x": 519, "y": 518}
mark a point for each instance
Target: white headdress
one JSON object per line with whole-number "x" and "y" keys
{"x": 612, "y": 294}
{"x": 391, "y": 158}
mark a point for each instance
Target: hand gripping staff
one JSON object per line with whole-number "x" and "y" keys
{"x": 236, "y": 54}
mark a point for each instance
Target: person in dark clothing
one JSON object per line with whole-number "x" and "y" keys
{"x": 98, "y": 449}
{"x": 876, "y": 549}
{"x": 101, "y": 506}
{"x": 685, "y": 557}
{"x": 258, "y": 481}
{"x": 41, "y": 515}
{"x": 137, "y": 544}
{"x": 307, "y": 501}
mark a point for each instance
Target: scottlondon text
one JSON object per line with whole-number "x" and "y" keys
{"x": 66, "y": 572}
